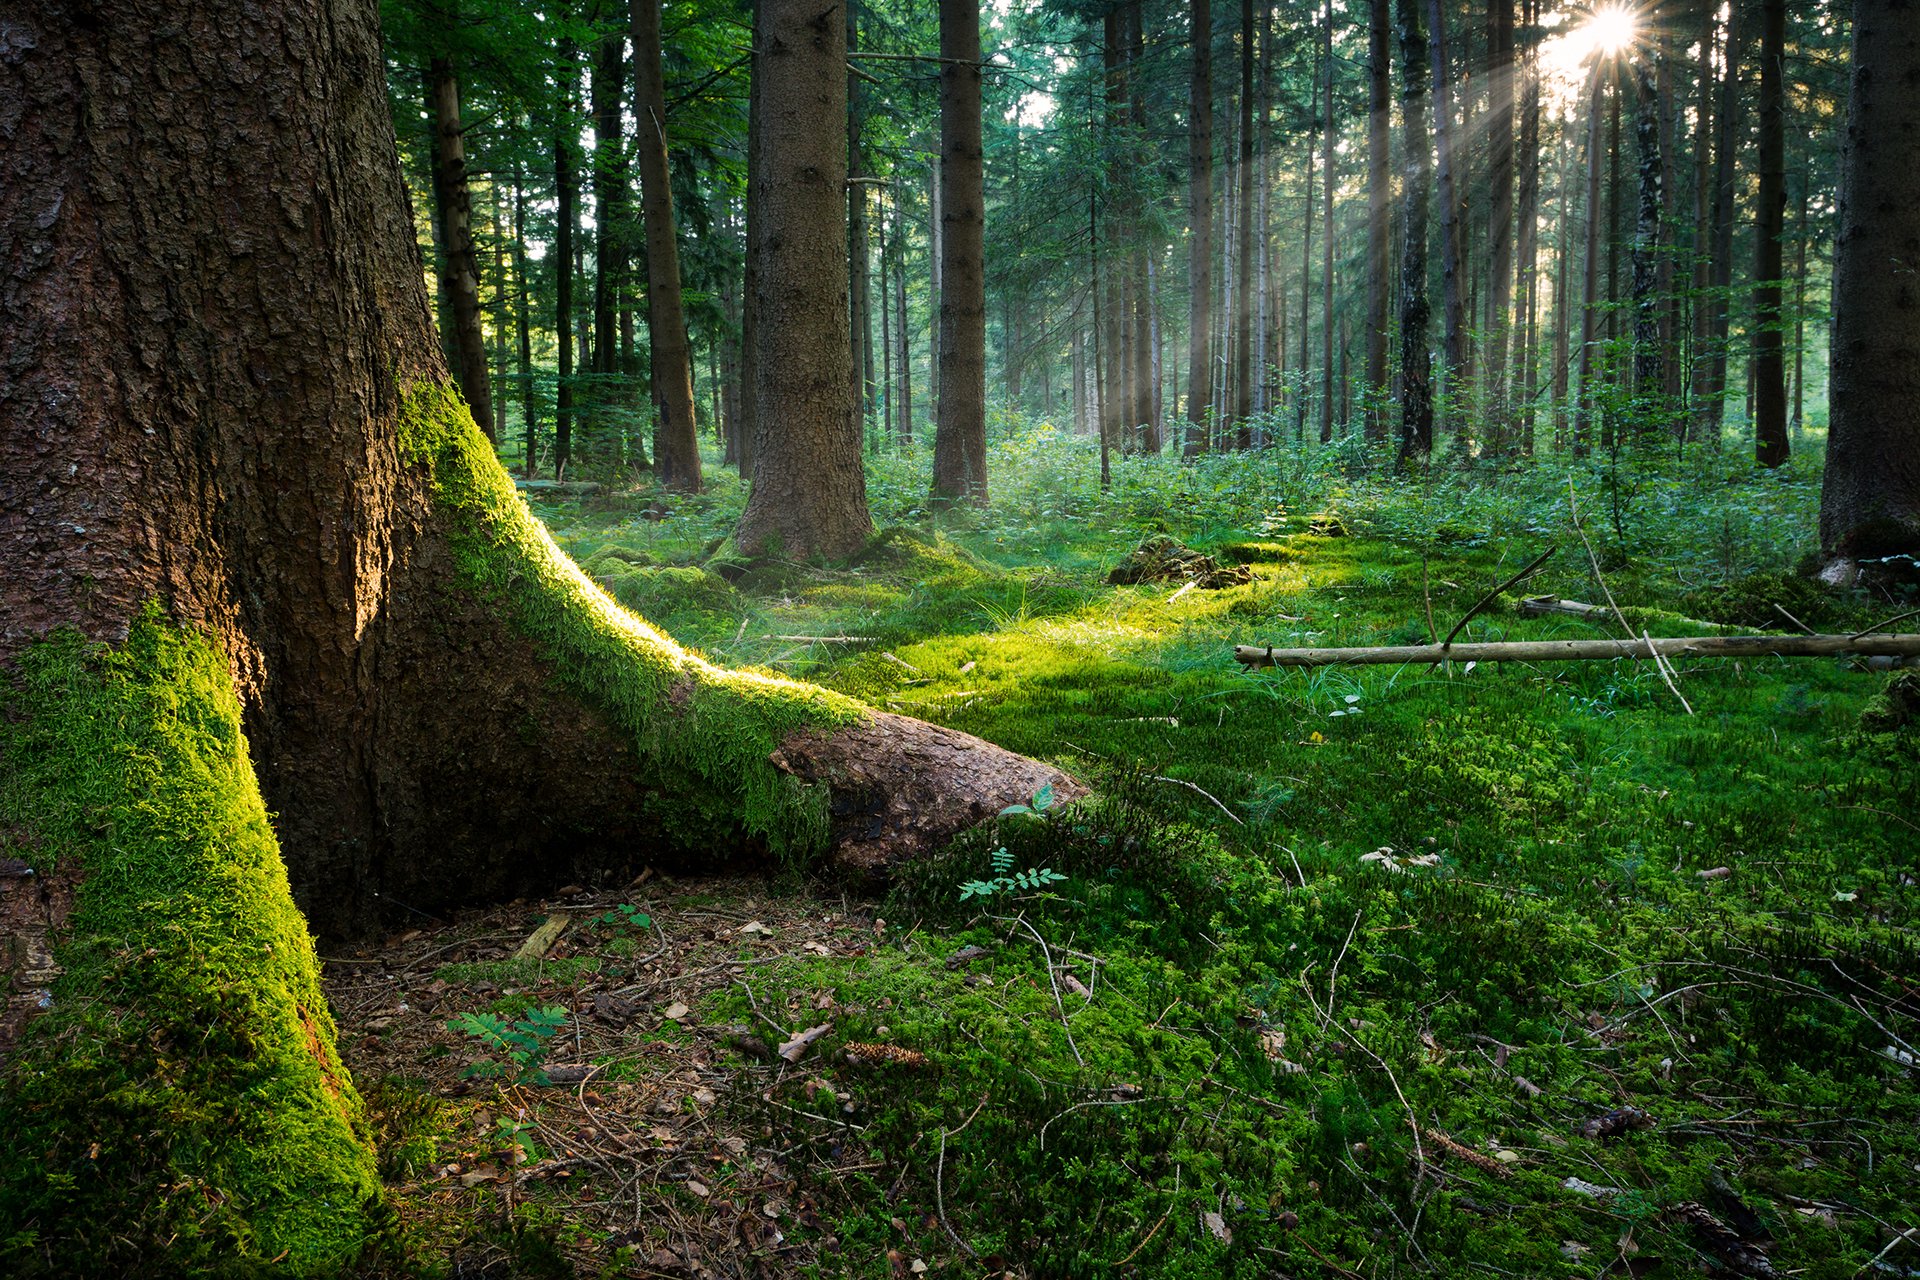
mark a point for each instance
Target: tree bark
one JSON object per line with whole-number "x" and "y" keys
{"x": 1200, "y": 221}
{"x": 1453, "y": 313}
{"x": 860, "y": 297}
{"x": 1770, "y": 442}
{"x": 960, "y": 434}
{"x": 1649, "y": 300}
{"x": 809, "y": 496}
{"x": 566, "y": 195}
{"x": 1326, "y": 232}
{"x": 1870, "y": 500}
{"x": 1379, "y": 219}
{"x": 523, "y": 323}
{"x": 1243, "y": 271}
{"x": 1416, "y": 384}
{"x": 750, "y": 272}
{"x": 1710, "y": 395}
{"x": 1499, "y": 429}
{"x": 238, "y": 490}
{"x": 676, "y": 442}
{"x": 459, "y": 264}
{"x": 1590, "y": 277}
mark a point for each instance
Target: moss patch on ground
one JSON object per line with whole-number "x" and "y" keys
{"x": 180, "y": 1108}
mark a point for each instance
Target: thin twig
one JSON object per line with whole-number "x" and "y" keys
{"x": 1182, "y": 782}
{"x": 1659, "y": 663}
{"x": 1804, "y": 628}
{"x": 1494, "y": 594}
{"x": 1053, "y": 981}
{"x": 940, "y": 1179}
{"x": 1898, "y": 617}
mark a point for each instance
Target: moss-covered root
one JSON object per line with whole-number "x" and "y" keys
{"x": 179, "y": 1107}
{"x": 803, "y": 770}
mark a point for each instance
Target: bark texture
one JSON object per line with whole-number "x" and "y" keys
{"x": 809, "y": 493}
{"x": 1870, "y": 503}
{"x": 1416, "y": 362}
{"x": 1770, "y": 442}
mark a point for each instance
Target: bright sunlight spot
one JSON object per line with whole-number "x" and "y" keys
{"x": 1567, "y": 57}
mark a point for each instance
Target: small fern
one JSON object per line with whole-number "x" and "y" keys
{"x": 1006, "y": 880}
{"x": 523, "y": 1044}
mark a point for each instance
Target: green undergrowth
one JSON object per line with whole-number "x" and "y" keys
{"x": 704, "y": 734}
{"x": 1327, "y": 919}
{"x": 179, "y": 1108}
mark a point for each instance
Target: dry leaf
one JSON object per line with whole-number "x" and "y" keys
{"x": 793, "y": 1049}
{"x": 676, "y": 1011}
{"x": 698, "y": 1188}
{"x": 1217, "y": 1225}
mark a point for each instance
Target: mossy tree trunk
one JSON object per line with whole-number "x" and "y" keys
{"x": 262, "y": 560}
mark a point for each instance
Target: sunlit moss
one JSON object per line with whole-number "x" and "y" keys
{"x": 705, "y": 732}
{"x": 180, "y": 1107}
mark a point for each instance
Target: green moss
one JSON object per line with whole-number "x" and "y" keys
{"x": 180, "y": 1107}
{"x": 704, "y": 733}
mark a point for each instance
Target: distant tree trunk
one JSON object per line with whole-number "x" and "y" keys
{"x": 1200, "y": 219}
{"x": 1416, "y": 377}
{"x": 1703, "y": 205}
{"x": 1563, "y": 288}
{"x": 1609, "y": 420}
{"x": 459, "y": 263}
{"x": 755, "y": 216}
{"x": 609, "y": 205}
{"x": 1870, "y": 500}
{"x": 905, "y": 419}
{"x": 523, "y": 319}
{"x": 1590, "y": 279}
{"x": 1453, "y": 312}
{"x": 1379, "y": 218}
{"x": 1527, "y": 237}
{"x": 1326, "y": 233}
{"x": 1243, "y": 269}
{"x": 502, "y": 288}
{"x": 809, "y": 496}
{"x": 1649, "y": 301}
{"x": 960, "y": 435}
{"x": 885, "y": 387}
{"x": 1711, "y": 389}
{"x": 1146, "y": 435}
{"x": 676, "y": 442}
{"x": 1301, "y": 371}
{"x": 566, "y": 195}
{"x": 1769, "y": 338}
{"x": 1499, "y": 429}
{"x": 860, "y": 297}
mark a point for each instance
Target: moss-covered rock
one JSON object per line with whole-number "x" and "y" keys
{"x": 179, "y": 1107}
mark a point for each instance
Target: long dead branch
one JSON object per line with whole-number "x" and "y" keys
{"x": 1818, "y": 646}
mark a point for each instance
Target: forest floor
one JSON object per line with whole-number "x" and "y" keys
{"x": 1529, "y": 969}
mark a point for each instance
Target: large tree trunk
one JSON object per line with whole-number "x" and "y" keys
{"x": 1870, "y": 502}
{"x": 676, "y": 447}
{"x": 960, "y": 433}
{"x": 860, "y": 280}
{"x": 1200, "y": 220}
{"x": 1416, "y": 377}
{"x": 240, "y": 491}
{"x": 1769, "y": 339}
{"x": 459, "y": 264}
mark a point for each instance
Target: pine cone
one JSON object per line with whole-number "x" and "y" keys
{"x": 876, "y": 1054}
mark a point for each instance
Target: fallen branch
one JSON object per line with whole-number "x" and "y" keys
{"x": 1819, "y": 646}
{"x": 1534, "y": 606}
{"x": 1494, "y": 594}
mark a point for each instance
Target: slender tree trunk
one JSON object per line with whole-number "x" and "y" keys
{"x": 1243, "y": 270}
{"x": 566, "y": 195}
{"x": 861, "y": 291}
{"x": 1527, "y": 237}
{"x": 1870, "y": 500}
{"x": 1771, "y": 446}
{"x": 1453, "y": 313}
{"x": 1327, "y": 234}
{"x": 1712, "y": 392}
{"x": 1303, "y": 369}
{"x": 1379, "y": 219}
{"x": 809, "y": 496}
{"x": 1590, "y": 280}
{"x": 886, "y": 384}
{"x": 755, "y": 230}
{"x": 1701, "y": 329}
{"x": 459, "y": 263}
{"x": 960, "y": 436}
{"x": 1200, "y": 220}
{"x": 1499, "y": 428}
{"x": 1609, "y": 420}
{"x": 676, "y": 442}
{"x": 1563, "y": 288}
{"x": 523, "y": 320}
{"x": 1649, "y": 352}
{"x": 1416, "y": 385}
{"x": 609, "y": 212}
